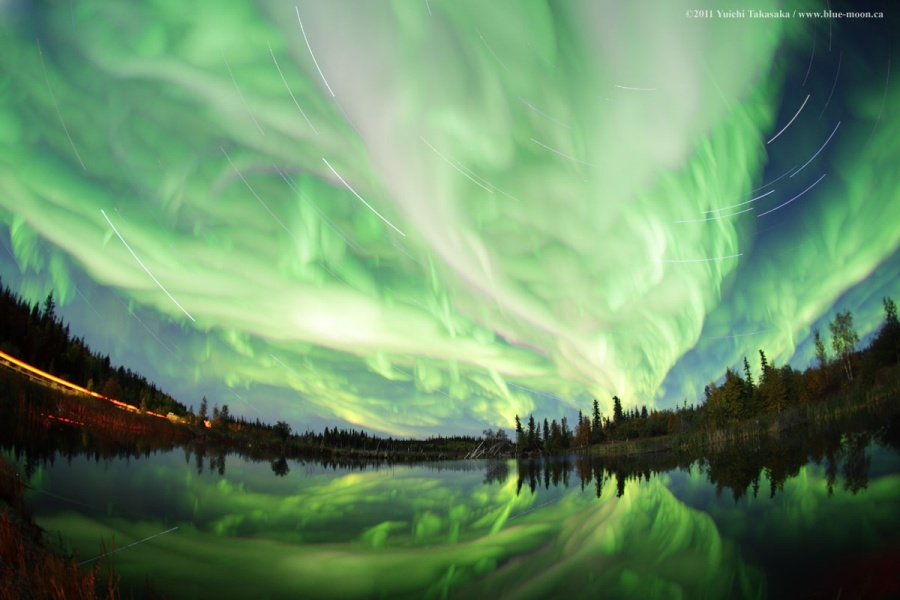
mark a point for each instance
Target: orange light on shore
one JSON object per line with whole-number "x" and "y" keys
{"x": 48, "y": 377}
{"x": 64, "y": 420}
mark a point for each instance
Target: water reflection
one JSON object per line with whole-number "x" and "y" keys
{"x": 846, "y": 459}
{"x": 280, "y": 466}
{"x": 740, "y": 470}
{"x": 734, "y": 524}
{"x": 404, "y": 531}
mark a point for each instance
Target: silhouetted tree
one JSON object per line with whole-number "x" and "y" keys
{"x": 596, "y": 423}
{"x": 554, "y": 442}
{"x": 49, "y": 312}
{"x": 565, "y": 434}
{"x": 520, "y": 435}
{"x": 820, "y": 349}
{"x": 282, "y": 430}
{"x": 583, "y": 434}
{"x": 748, "y": 376}
{"x": 224, "y": 417}
{"x": 618, "y": 417}
{"x": 890, "y": 312}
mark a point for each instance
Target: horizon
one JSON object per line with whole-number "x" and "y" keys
{"x": 428, "y": 218}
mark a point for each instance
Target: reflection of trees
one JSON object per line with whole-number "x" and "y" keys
{"x": 280, "y": 466}
{"x": 496, "y": 471}
{"x": 734, "y": 469}
{"x": 889, "y": 434}
{"x": 33, "y": 441}
{"x": 220, "y": 463}
{"x": 599, "y": 484}
{"x": 532, "y": 475}
{"x": 782, "y": 462}
{"x": 620, "y": 483}
{"x": 852, "y": 451}
{"x": 555, "y": 470}
{"x": 857, "y": 462}
{"x": 738, "y": 468}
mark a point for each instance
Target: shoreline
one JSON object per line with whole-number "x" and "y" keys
{"x": 29, "y": 567}
{"x": 834, "y": 412}
{"x": 95, "y": 422}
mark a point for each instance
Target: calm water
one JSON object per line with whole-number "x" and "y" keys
{"x": 562, "y": 528}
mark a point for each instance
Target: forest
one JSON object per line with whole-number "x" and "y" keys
{"x": 846, "y": 372}
{"x": 36, "y": 334}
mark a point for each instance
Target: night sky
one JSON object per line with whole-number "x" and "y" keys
{"x": 427, "y": 216}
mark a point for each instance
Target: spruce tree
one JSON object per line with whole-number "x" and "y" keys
{"x": 618, "y": 416}
{"x": 748, "y": 376}
{"x": 820, "y": 349}
{"x": 890, "y": 312}
{"x": 520, "y": 434}
{"x": 764, "y": 368}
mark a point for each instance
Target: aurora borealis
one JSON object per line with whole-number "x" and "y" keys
{"x": 428, "y": 216}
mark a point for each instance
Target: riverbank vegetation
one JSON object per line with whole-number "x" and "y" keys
{"x": 28, "y": 567}
{"x": 38, "y": 409}
{"x": 737, "y": 408}
{"x": 843, "y": 449}
{"x": 35, "y": 334}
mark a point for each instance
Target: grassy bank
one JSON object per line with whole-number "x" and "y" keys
{"x": 28, "y": 568}
{"x": 880, "y": 400}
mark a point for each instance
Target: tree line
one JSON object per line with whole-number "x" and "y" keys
{"x": 35, "y": 334}
{"x": 738, "y": 397}
{"x": 844, "y": 455}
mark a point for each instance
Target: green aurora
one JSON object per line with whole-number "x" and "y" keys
{"x": 424, "y": 217}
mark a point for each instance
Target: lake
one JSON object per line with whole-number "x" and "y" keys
{"x": 816, "y": 518}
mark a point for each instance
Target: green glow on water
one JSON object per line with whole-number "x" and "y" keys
{"x": 458, "y": 530}
{"x": 405, "y": 531}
